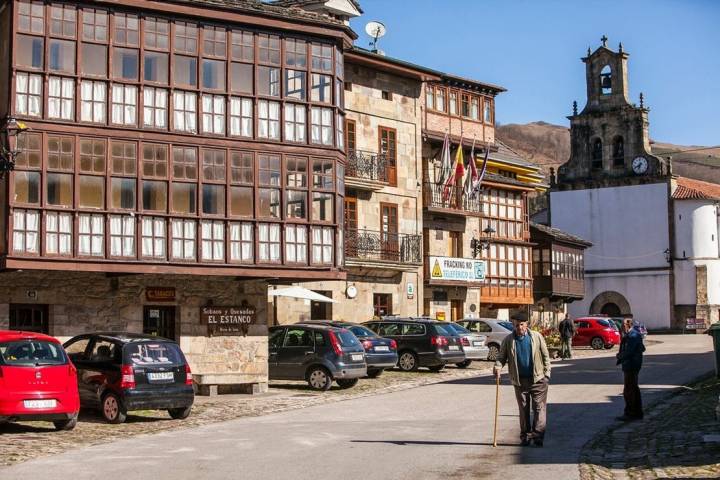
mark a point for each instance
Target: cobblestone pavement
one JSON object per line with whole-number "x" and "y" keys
{"x": 20, "y": 442}
{"x": 679, "y": 438}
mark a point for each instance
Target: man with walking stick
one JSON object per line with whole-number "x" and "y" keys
{"x": 526, "y": 354}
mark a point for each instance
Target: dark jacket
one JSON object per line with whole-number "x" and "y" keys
{"x": 631, "y": 351}
{"x": 566, "y": 329}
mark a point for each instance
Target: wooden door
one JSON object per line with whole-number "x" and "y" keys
{"x": 382, "y": 304}
{"x": 388, "y": 147}
{"x": 321, "y": 310}
{"x": 159, "y": 321}
{"x": 350, "y": 224}
{"x": 456, "y": 310}
{"x": 390, "y": 245}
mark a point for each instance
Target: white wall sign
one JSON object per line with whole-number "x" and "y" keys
{"x": 457, "y": 269}
{"x": 410, "y": 290}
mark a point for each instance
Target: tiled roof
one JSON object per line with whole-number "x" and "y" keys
{"x": 262, "y": 8}
{"x": 494, "y": 177}
{"x": 558, "y": 234}
{"x": 691, "y": 189}
{"x": 507, "y": 154}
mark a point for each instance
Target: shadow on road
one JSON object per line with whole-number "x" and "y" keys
{"x": 436, "y": 443}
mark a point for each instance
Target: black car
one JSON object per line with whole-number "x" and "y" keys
{"x": 120, "y": 372}
{"x": 421, "y": 342}
{"x": 380, "y": 353}
{"x": 317, "y": 354}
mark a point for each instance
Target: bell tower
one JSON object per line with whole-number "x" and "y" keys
{"x": 609, "y": 138}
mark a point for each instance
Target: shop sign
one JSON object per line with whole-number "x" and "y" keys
{"x": 160, "y": 294}
{"x": 228, "y": 320}
{"x": 457, "y": 269}
{"x": 695, "y": 324}
{"x": 410, "y": 290}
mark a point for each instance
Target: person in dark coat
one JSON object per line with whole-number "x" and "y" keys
{"x": 630, "y": 357}
{"x": 567, "y": 332}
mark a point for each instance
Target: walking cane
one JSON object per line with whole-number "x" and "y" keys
{"x": 497, "y": 407}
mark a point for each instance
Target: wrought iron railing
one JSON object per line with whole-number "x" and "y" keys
{"x": 450, "y": 197}
{"x": 367, "y": 165}
{"x": 383, "y": 246}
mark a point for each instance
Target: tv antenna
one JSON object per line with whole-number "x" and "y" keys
{"x": 376, "y": 30}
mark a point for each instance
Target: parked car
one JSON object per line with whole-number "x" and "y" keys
{"x": 473, "y": 344}
{"x": 121, "y": 372}
{"x": 618, "y": 322}
{"x": 421, "y": 342}
{"x": 380, "y": 353}
{"x": 37, "y": 380}
{"x": 595, "y": 332}
{"x": 495, "y": 330}
{"x": 318, "y": 354}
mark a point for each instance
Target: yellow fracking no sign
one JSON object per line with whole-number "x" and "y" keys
{"x": 436, "y": 270}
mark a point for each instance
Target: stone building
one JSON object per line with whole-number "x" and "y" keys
{"x": 654, "y": 235}
{"x": 159, "y": 183}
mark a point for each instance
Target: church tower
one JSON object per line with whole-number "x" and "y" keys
{"x": 610, "y": 144}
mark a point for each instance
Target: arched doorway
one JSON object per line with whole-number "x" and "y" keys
{"x": 610, "y": 303}
{"x": 611, "y": 310}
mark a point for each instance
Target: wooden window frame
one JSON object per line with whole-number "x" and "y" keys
{"x": 390, "y": 154}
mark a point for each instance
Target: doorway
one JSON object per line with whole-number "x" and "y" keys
{"x": 382, "y": 304}
{"x": 321, "y": 310}
{"x": 611, "y": 310}
{"x": 390, "y": 246}
{"x": 457, "y": 310}
{"x": 159, "y": 321}
{"x": 29, "y": 318}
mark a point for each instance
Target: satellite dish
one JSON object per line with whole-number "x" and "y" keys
{"x": 375, "y": 30}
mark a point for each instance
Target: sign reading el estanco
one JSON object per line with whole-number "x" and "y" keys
{"x": 228, "y": 320}
{"x": 457, "y": 269}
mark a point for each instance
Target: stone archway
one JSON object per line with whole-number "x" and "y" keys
{"x": 610, "y": 303}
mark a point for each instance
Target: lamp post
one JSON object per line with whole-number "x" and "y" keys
{"x": 9, "y": 132}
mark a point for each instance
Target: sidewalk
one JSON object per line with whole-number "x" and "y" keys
{"x": 679, "y": 438}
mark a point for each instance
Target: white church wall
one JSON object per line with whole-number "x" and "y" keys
{"x": 648, "y": 296}
{"x": 628, "y": 226}
{"x": 696, "y": 229}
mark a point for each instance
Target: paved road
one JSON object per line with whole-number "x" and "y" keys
{"x": 433, "y": 432}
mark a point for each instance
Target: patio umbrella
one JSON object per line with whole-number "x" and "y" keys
{"x": 300, "y": 292}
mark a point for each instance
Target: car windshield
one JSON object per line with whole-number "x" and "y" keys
{"x": 444, "y": 330}
{"x": 458, "y": 329}
{"x": 31, "y": 353}
{"x": 506, "y": 325}
{"x": 152, "y": 353}
{"x": 347, "y": 339}
{"x": 605, "y": 323}
{"x": 361, "y": 331}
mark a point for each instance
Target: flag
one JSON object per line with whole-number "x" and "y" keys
{"x": 473, "y": 175}
{"x": 445, "y": 163}
{"x": 450, "y": 182}
{"x": 459, "y": 162}
{"x": 478, "y": 184}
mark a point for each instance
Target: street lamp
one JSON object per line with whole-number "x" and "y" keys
{"x": 9, "y": 132}
{"x": 477, "y": 246}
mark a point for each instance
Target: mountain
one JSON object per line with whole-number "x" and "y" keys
{"x": 548, "y": 145}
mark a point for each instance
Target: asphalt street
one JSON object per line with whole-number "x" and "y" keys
{"x": 438, "y": 431}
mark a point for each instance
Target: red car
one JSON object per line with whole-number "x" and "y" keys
{"x": 37, "y": 380}
{"x": 594, "y": 332}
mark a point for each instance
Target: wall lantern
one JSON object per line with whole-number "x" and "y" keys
{"x": 9, "y": 132}
{"x": 477, "y": 246}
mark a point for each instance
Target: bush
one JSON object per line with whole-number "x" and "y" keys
{"x": 552, "y": 336}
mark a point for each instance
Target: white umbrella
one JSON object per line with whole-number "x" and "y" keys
{"x": 300, "y": 292}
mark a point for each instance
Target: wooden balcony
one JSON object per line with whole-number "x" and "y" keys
{"x": 366, "y": 170}
{"x": 449, "y": 200}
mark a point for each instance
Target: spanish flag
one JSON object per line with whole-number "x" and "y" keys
{"x": 459, "y": 163}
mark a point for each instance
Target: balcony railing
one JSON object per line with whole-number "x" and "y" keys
{"x": 450, "y": 198}
{"x": 367, "y": 165}
{"x": 383, "y": 246}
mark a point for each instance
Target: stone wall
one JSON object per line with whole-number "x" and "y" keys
{"x": 87, "y": 302}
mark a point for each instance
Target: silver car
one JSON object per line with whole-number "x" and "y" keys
{"x": 495, "y": 330}
{"x": 473, "y": 344}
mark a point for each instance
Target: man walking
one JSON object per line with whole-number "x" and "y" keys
{"x": 528, "y": 361}
{"x": 567, "y": 332}
{"x": 631, "y": 356}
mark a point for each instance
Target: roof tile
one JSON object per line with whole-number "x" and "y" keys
{"x": 691, "y": 189}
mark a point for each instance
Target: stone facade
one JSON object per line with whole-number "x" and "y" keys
{"x": 91, "y": 302}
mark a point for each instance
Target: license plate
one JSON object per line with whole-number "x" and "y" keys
{"x": 478, "y": 344}
{"x": 357, "y": 357}
{"x": 40, "y": 403}
{"x": 161, "y": 376}
{"x": 382, "y": 348}
{"x": 453, "y": 347}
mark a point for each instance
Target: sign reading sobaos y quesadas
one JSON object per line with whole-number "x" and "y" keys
{"x": 228, "y": 320}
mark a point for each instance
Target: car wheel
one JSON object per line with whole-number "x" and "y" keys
{"x": 464, "y": 364}
{"x": 66, "y": 425}
{"x": 408, "y": 361}
{"x": 180, "y": 413}
{"x": 347, "y": 382}
{"x": 436, "y": 368}
{"x": 374, "y": 373}
{"x": 112, "y": 409}
{"x": 597, "y": 343}
{"x": 493, "y": 351}
{"x": 319, "y": 379}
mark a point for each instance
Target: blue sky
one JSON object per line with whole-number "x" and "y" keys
{"x": 533, "y": 48}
